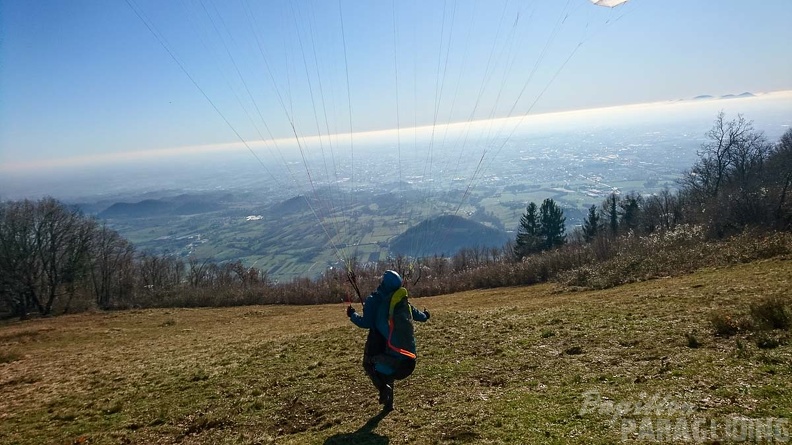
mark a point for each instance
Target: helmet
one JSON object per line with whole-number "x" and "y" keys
{"x": 391, "y": 280}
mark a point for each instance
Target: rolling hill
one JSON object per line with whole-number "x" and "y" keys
{"x": 183, "y": 204}
{"x": 539, "y": 364}
{"x": 446, "y": 235}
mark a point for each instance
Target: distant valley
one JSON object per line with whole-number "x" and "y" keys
{"x": 414, "y": 196}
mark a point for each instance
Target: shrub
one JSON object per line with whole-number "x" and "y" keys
{"x": 113, "y": 408}
{"x": 692, "y": 341}
{"x": 742, "y": 351}
{"x": 724, "y": 325}
{"x": 772, "y": 313}
{"x": 682, "y": 250}
{"x": 764, "y": 341}
{"x": 8, "y": 356}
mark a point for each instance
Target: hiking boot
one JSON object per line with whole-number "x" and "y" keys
{"x": 382, "y": 395}
{"x": 385, "y": 393}
{"x": 386, "y": 398}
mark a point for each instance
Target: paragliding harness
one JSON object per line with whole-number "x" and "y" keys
{"x": 400, "y": 342}
{"x": 400, "y": 324}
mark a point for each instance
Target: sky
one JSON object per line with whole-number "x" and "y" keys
{"x": 120, "y": 79}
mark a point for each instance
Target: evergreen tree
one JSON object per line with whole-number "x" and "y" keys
{"x": 528, "y": 233}
{"x": 551, "y": 225}
{"x": 630, "y": 206}
{"x": 591, "y": 224}
{"x": 610, "y": 209}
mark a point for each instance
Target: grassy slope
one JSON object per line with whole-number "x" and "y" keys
{"x": 493, "y": 368}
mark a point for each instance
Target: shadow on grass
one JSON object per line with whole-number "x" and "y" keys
{"x": 365, "y": 435}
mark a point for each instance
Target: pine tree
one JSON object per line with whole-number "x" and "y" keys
{"x": 528, "y": 233}
{"x": 591, "y": 224}
{"x": 551, "y": 225}
{"x": 630, "y": 206}
{"x": 610, "y": 209}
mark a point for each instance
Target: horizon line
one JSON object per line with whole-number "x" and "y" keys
{"x": 370, "y": 136}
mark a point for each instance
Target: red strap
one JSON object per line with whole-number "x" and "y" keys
{"x": 401, "y": 351}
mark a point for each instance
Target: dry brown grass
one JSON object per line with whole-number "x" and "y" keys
{"x": 489, "y": 371}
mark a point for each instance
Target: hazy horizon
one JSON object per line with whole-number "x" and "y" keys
{"x": 167, "y": 168}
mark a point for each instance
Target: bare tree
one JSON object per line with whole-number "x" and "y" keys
{"x": 461, "y": 260}
{"x": 438, "y": 266}
{"x": 112, "y": 257}
{"x": 158, "y": 273}
{"x": 661, "y": 212}
{"x": 19, "y": 272}
{"x": 732, "y": 148}
{"x": 44, "y": 253}
{"x": 62, "y": 242}
{"x": 79, "y": 260}
{"x": 747, "y": 157}
{"x": 780, "y": 171}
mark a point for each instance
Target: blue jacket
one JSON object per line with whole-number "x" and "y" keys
{"x": 371, "y": 309}
{"x": 372, "y": 314}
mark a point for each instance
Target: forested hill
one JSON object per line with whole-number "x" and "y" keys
{"x": 447, "y": 235}
{"x": 184, "y": 204}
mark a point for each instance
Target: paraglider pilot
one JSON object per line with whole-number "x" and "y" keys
{"x": 390, "y": 350}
